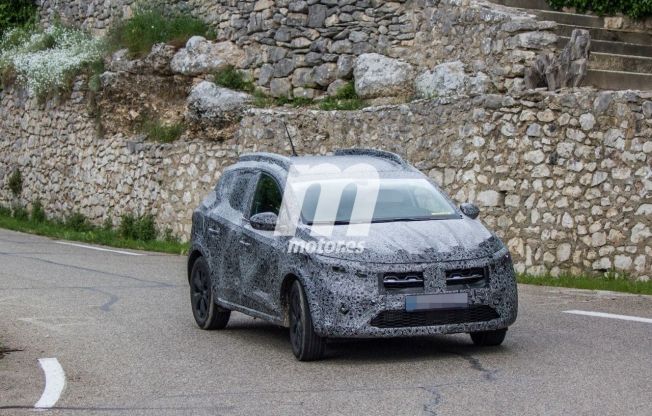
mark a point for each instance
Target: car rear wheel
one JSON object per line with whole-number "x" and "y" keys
{"x": 207, "y": 313}
{"x": 306, "y": 344}
{"x": 488, "y": 338}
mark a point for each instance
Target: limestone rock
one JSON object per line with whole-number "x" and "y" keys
{"x": 379, "y": 76}
{"x": 444, "y": 80}
{"x": 566, "y": 70}
{"x": 201, "y": 56}
{"x": 214, "y": 105}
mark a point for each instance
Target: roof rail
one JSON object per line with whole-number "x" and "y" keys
{"x": 282, "y": 161}
{"x": 373, "y": 153}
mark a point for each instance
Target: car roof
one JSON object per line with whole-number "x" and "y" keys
{"x": 381, "y": 161}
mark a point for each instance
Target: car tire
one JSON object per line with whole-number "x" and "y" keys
{"x": 488, "y": 338}
{"x": 208, "y": 315}
{"x": 306, "y": 344}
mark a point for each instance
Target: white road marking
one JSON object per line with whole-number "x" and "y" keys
{"x": 55, "y": 381}
{"x": 98, "y": 248}
{"x": 612, "y": 316}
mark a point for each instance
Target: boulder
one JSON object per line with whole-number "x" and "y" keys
{"x": 213, "y": 105}
{"x": 379, "y": 76}
{"x": 201, "y": 56}
{"x": 568, "y": 69}
{"x": 443, "y": 80}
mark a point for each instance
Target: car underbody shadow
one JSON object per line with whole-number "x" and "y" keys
{"x": 369, "y": 349}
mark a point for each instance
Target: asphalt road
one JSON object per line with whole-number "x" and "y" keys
{"x": 122, "y": 329}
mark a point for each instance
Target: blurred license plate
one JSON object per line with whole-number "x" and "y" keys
{"x": 439, "y": 301}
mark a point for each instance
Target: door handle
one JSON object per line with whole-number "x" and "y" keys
{"x": 245, "y": 243}
{"x": 213, "y": 231}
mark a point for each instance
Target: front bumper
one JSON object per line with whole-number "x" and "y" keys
{"x": 347, "y": 308}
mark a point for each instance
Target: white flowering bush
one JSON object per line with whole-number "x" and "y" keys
{"x": 46, "y": 60}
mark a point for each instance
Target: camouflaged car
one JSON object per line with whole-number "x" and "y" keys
{"x": 421, "y": 266}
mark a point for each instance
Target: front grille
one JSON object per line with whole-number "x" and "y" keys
{"x": 402, "y": 280}
{"x": 469, "y": 278}
{"x": 402, "y": 319}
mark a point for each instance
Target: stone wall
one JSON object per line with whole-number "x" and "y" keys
{"x": 565, "y": 179}
{"x": 302, "y": 47}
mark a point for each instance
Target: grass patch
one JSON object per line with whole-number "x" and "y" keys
{"x": 345, "y": 99}
{"x": 265, "y": 101}
{"x": 77, "y": 228}
{"x": 607, "y": 282}
{"x": 158, "y": 131}
{"x": 152, "y": 24}
{"x": 231, "y": 78}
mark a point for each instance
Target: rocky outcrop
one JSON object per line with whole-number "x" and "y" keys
{"x": 379, "y": 76}
{"x": 214, "y": 105}
{"x": 201, "y": 56}
{"x": 566, "y": 69}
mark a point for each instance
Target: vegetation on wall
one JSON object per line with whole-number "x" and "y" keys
{"x": 15, "y": 183}
{"x": 159, "y": 131}
{"x": 345, "y": 99}
{"x": 633, "y": 8}
{"x": 17, "y": 13}
{"x": 231, "y": 78}
{"x": 152, "y": 24}
{"x": 47, "y": 60}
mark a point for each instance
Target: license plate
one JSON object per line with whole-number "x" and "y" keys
{"x": 438, "y": 301}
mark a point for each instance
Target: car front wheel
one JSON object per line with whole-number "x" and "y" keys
{"x": 306, "y": 344}
{"x": 207, "y": 313}
{"x": 488, "y": 338}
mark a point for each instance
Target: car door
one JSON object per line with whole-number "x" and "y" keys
{"x": 224, "y": 229}
{"x": 259, "y": 259}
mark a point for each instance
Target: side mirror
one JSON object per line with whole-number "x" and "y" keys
{"x": 470, "y": 210}
{"x": 265, "y": 221}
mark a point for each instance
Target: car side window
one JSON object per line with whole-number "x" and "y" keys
{"x": 238, "y": 190}
{"x": 268, "y": 196}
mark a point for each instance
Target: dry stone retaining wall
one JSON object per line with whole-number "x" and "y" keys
{"x": 302, "y": 47}
{"x": 565, "y": 179}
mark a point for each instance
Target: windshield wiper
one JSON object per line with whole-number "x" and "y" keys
{"x": 404, "y": 219}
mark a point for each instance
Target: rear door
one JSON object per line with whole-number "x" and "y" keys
{"x": 224, "y": 230}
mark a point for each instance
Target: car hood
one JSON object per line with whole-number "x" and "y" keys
{"x": 415, "y": 241}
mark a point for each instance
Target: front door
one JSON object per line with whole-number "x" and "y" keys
{"x": 260, "y": 249}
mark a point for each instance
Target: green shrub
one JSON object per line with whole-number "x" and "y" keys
{"x": 15, "y": 183}
{"x": 78, "y": 222}
{"x": 345, "y": 99}
{"x": 38, "y": 213}
{"x": 127, "y": 228}
{"x": 47, "y": 60}
{"x": 158, "y": 131}
{"x": 146, "y": 228}
{"x": 138, "y": 228}
{"x": 633, "y": 8}
{"x": 4, "y": 211}
{"x": 169, "y": 237}
{"x": 107, "y": 225}
{"x": 17, "y": 13}
{"x": 20, "y": 213}
{"x": 152, "y": 24}
{"x": 230, "y": 77}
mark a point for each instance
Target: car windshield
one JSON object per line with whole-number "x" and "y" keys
{"x": 380, "y": 200}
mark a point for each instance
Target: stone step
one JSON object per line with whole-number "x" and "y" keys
{"x": 596, "y": 33}
{"x": 571, "y": 19}
{"x": 615, "y": 48}
{"x": 626, "y": 63}
{"x": 525, "y": 4}
{"x": 618, "y": 80}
